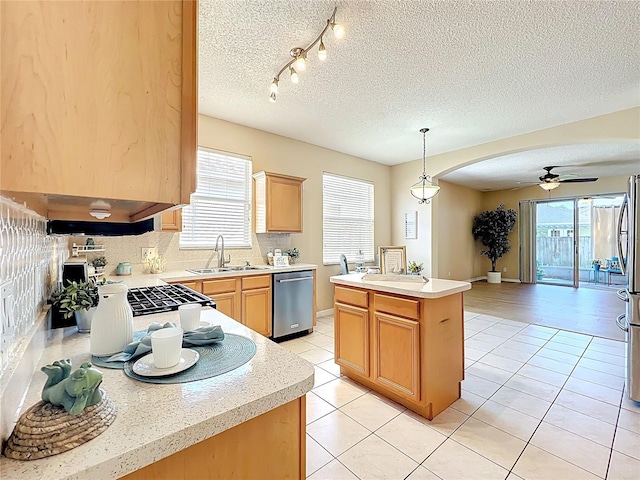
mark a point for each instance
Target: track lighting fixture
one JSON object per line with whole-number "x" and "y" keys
{"x": 294, "y": 75}
{"x": 424, "y": 189}
{"x": 298, "y": 63}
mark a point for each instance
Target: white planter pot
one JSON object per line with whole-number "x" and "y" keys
{"x": 494, "y": 277}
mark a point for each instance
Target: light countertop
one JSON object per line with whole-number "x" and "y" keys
{"x": 434, "y": 288}
{"x": 155, "y": 421}
{"x": 148, "y": 279}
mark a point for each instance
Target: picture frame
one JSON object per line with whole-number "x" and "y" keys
{"x": 411, "y": 224}
{"x": 393, "y": 260}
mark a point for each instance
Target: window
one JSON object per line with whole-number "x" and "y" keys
{"x": 221, "y": 204}
{"x": 347, "y": 218}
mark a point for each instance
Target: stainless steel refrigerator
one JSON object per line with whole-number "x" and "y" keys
{"x": 629, "y": 258}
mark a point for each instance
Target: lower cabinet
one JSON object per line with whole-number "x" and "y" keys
{"x": 396, "y": 354}
{"x": 227, "y": 303}
{"x": 352, "y": 337}
{"x": 256, "y": 310}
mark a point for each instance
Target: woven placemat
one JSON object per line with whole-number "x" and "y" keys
{"x": 215, "y": 359}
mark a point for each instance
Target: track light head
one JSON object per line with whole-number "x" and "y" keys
{"x": 322, "y": 51}
{"x": 274, "y": 86}
{"x": 294, "y": 75}
{"x": 338, "y": 30}
{"x": 272, "y": 97}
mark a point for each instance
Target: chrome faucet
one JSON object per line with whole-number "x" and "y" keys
{"x": 221, "y": 260}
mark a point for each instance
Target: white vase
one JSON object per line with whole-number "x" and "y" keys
{"x": 494, "y": 277}
{"x": 112, "y": 325}
{"x": 84, "y": 319}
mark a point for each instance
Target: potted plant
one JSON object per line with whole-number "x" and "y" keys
{"x": 77, "y": 299}
{"x": 539, "y": 273}
{"x": 596, "y": 264}
{"x": 99, "y": 264}
{"x": 492, "y": 228}
{"x": 293, "y": 253}
{"x": 415, "y": 268}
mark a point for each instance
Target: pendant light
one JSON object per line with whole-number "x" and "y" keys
{"x": 424, "y": 189}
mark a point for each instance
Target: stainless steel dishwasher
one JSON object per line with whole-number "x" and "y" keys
{"x": 292, "y": 302}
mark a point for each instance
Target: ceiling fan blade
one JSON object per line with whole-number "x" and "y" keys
{"x": 579, "y": 180}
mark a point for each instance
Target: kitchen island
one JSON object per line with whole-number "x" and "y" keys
{"x": 402, "y": 339}
{"x": 247, "y": 423}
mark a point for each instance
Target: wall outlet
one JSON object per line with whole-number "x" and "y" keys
{"x": 504, "y": 269}
{"x": 149, "y": 252}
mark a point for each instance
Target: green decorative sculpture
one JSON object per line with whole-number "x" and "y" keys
{"x": 73, "y": 391}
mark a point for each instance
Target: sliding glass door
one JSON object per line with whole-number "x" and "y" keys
{"x": 556, "y": 230}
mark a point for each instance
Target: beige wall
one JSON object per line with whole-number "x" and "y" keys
{"x": 457, "y": 256}
{"x": 283, "y": 155}
{"x": 512, "y": 198}
{"x": 618, "y": 126}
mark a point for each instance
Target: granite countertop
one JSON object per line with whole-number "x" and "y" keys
{"x": 155, "y": 421}
{"x": 149, "y": 279}
{"x": 434, "y": 288}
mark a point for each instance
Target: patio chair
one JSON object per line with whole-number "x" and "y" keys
{"x": 613, "y": 268}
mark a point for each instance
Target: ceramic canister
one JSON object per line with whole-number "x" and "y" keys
{"x": 112, "y": 325}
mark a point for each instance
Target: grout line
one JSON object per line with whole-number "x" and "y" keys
{"x": 615, "y": 431}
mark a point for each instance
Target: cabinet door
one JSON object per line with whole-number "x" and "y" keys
{"x": 256, "y": 310}
{"x": 172, "y": 221}
{"x": 106, "y": 99}
{"x": 227, "y": 303}
{"x": 352, "y": 337}
{"x": 284, "y": 204}
{"x": 396, "y": 361}
{"x": 197, "y": 286}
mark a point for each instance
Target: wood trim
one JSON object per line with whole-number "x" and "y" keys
{"x": 171, "y": 221}
{"x": 269, "y": 446}
{"x": 195, "y": 285}
{"x": 189, "y": 97}
{"x": 149, "y": 212}
{"x": 352, "y": 296}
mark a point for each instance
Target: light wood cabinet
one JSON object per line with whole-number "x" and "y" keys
{"x": 352, "y": 337}
{"x": 408, "y": 349}
{"x": 172, "y": 221}
{"x": 197, "y": 286}
{"x": 278, "y": 203}
{"x": 99, "y": 103}
{"x": 246, "y": 299}
{"x": 256, "y": 310}
{"x": 396, "y": 356}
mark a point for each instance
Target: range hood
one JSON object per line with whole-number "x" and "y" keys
{"x": 107, "y": 229}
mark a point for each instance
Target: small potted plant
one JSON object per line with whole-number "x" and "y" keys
{"x": 539, "y": 273}
{"x": 293, "y": 253}
{"x": 596, "y": 264}
{"x": 77, "y": 299}
{"x": 415, "y": 268}
{"x": 99, "y": 264}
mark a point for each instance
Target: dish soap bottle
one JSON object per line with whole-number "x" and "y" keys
{"x": 360, "y": 262}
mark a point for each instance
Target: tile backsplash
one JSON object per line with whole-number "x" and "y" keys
{"x": 129, "y": 249}
{"x": 32, "y": 261}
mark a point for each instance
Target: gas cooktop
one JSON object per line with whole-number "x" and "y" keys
{"x": 164, "y": 298}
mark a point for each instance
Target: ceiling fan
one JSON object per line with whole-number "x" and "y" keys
{"x": 549, "y": 180}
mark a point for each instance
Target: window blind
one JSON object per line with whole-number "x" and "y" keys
{"x": 221, "y": 204}
{"x": 347, "y": 218}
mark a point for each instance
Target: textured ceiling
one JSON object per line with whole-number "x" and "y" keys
{"x": 574, "y": 161}
{"x": 473, "y": 72}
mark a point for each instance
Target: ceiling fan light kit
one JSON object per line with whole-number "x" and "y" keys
{"x": 425, "y": 189}
{"x": 298, "y": 63}
{"x": 552, "y": 180}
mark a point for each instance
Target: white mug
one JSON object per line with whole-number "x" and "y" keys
{"x": 189, "y": 316}
{"x": 166, "y": 345}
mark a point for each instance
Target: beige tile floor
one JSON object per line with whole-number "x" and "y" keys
{"x": 537, "y": 404}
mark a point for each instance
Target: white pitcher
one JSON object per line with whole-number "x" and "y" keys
{"x": 112, "y": 326}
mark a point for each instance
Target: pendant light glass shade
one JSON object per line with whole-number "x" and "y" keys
{"x": 425, "y": 188}
{"x": 549, "y": 185}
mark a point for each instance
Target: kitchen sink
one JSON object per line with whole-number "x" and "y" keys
{"x": 204, "y": 271}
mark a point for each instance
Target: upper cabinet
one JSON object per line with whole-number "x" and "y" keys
{"x": 278, "y": 200}
{"x": 99, "y": 103}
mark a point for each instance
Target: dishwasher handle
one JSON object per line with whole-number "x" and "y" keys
{"x": 620, "y": 319}
{"x": 287, "y": 280}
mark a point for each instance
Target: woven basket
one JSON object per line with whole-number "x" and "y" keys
{"x": 47, "y": 429}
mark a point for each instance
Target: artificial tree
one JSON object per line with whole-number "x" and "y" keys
{"x": 492, "y": 228}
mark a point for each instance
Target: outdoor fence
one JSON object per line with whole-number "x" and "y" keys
{"x": 558, "y": 251}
